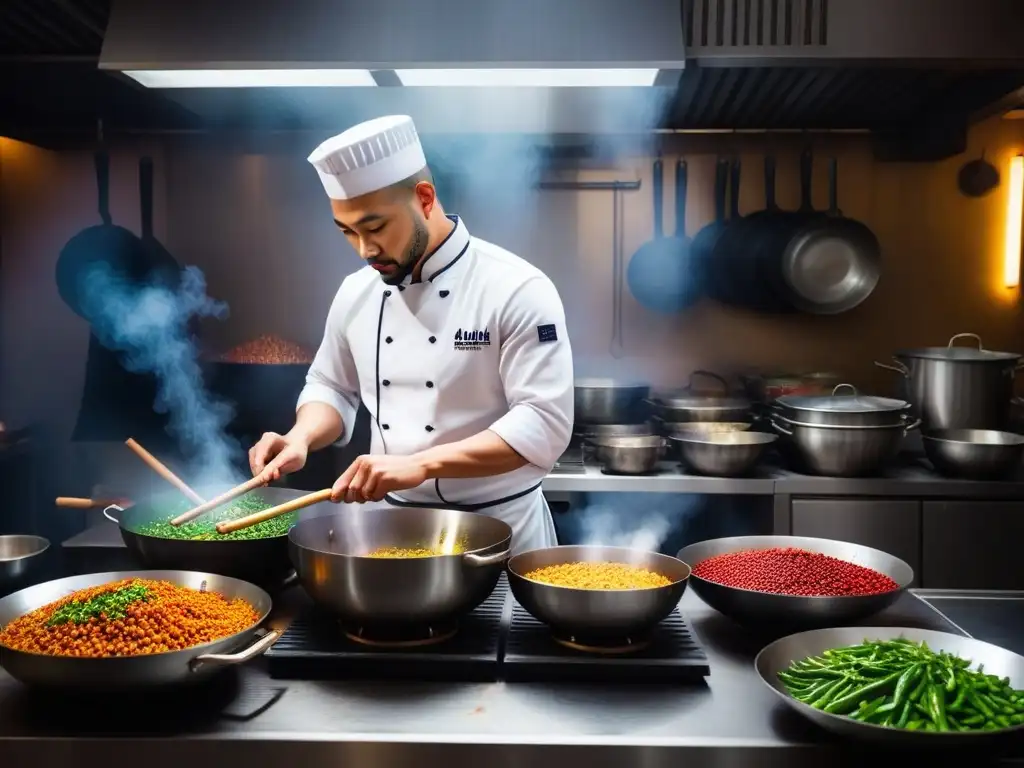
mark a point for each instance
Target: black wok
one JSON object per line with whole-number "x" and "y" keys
{"x": 259, "y": 561}
{"x": 593, "y": 613}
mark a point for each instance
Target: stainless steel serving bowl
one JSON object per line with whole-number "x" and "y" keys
{"x": 974, "y": 454}
{"x": 597, "y": 613}
{"x": 606, "y": 401}
{"x": 836, "y": 451}
{"x": 629, "y": 455}
{"x": 704, "y": 427}
{"x": 723, "y": 454}
{"x": 777, "y": 656}
{"x": 752, "y": 608}
{"x": 19, "y": 557}
{"x": 131, "y": 672}
{"x": 330, "y": 556}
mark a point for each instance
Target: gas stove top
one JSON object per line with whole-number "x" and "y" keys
{"x": 497, "y": 641}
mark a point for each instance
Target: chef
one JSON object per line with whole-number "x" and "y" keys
{"x": 457, "y": 348}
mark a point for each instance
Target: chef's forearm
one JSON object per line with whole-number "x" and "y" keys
{"x": 482, "y": 455}
{"x": 317, "y": 425}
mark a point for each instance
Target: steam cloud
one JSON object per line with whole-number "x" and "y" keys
{"x": 150, "y": 325}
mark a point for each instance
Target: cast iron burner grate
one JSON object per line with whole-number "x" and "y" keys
{"x": 671, "y": 654}
{"x": 315, "y": 648}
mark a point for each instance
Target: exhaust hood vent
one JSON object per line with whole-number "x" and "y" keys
{"x": 709, "y": 24}
{"x": 449, "y": 43}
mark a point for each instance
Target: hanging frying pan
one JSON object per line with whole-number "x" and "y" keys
{"x": 833, "y": 263}
{"x": 724, "y": 261}
{"x": 703, "y": 246}
{"x": 162, "y": 266}
{"x": 103, "y": 243}
{"x": 660, "y": 274}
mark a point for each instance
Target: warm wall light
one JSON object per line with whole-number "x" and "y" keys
{"x": 1014, "y": 221}
{"x": 252, "y": 78}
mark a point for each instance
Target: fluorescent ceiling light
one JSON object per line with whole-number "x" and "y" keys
{"x": 252, "y": 78}
{"x": 530, "y": 78}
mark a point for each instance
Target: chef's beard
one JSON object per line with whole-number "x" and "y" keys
{"x": 414, "y": 252}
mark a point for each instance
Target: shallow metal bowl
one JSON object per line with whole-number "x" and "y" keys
{"x": 705, "y": 427}
{"x": 629, "y": 455}
{"x": 127, "y": 672}
{"x": 597, "y": 613}
{"x": 752, "y": 608}
{"x": 974, "y": 454}
{"x": 723, "y": 454}
{"x": 19, "y": 556}
{"x": 777, "y": 656}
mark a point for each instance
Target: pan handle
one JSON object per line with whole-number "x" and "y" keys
{"x": 734, "y": 190}
{"x": 229, "y": 659}
{"x": 110, "y": 517}
{"x": 897, "y": 368}
{"x": 479, "y": 561}
{"x": 912, "y": 425}
{"x": 659, "y": 199}
{"x": 721, "y": 188}
{"x": 681, "y": 187}
{"x": 770, "y": 203}
{"x": 779, "y": 428}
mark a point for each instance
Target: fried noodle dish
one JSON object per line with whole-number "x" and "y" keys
{"x": 132, "y": 617}
{"x": 606, "y": 576}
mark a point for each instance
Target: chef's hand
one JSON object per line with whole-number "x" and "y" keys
{"x": 370, "y": 478}
{"x": 275, "y": 455}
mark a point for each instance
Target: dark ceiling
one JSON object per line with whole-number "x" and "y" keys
{"x": 53, "y": 93}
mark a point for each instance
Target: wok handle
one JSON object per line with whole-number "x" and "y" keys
{"x": 479, "y": 561}
{"x": 70, "y": 502}
{"x": 898, "y": 368}
{"x": 110, "y": 517}
{"x": 229, "y": 659}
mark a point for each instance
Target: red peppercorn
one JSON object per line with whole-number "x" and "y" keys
{"x": 792, "y": 571}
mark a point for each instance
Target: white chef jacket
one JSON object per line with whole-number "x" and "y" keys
{"x": 479, "y": 343}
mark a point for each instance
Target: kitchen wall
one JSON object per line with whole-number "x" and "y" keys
{"x": 255, "y": 219}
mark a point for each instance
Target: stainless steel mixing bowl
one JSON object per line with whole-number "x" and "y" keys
{"x": 723, "y": 454}
{"x": 19, "y": 557}
{"x": 752, "y": 608}
{"x": 633, "y": 455}
{"x": 779, "y": 655}
{"x": 597, "y": 613}
{"x": 330, "y": 556}
{"x": 607, "y": 401}
{"x": 974, "y": 454}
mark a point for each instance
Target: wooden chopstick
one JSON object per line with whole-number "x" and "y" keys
{"x": 224, "y": 498}
{"x": 73, "y": 502}
{"x": 308, "y": 500}
{"x": 163, "y": 471}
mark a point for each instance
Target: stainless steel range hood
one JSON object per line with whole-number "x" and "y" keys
{"x": 583, "y": 65}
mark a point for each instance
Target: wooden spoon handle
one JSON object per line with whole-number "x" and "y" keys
{"x": 308, "y": 500}
{"x": 155, "y": 464}
{"x": 224, "y": 498}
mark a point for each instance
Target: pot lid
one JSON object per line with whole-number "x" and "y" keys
{"x": 844, "y": 399}
{"x": 975, "y": 354}
{"x": 715, "y": 396}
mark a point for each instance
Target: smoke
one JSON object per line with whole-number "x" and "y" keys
{"x": 645, "y": 521}
{"x": 150, "y": 326}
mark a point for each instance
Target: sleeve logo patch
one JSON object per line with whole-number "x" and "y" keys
{"x": 546, "y": 333}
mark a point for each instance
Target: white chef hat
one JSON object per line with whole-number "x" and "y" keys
{"x": 368, "y": 157}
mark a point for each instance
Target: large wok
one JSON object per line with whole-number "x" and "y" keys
{"x": 330, "y": 556}
{"x": 593, "y": 613}
{"x": 261, "y": 561}
{"x": 128, "y": 672}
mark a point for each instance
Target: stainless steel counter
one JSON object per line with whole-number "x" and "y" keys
{"x": 911, "y": 477}
{"x": 733, "y": 720}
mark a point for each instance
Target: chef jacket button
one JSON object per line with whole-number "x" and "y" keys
{"x": 387, "y": 293}
{"x": 386, "y": 382}
{"x": 384, "y": 426}
{"x": 401, "y": 288}
{"x": 388, "y": 340}
{"x": 444, "y": 293}
{"x": 429, "y": 428}
{"x": 430, "y": 385}
{"x": 432, "y": 339}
